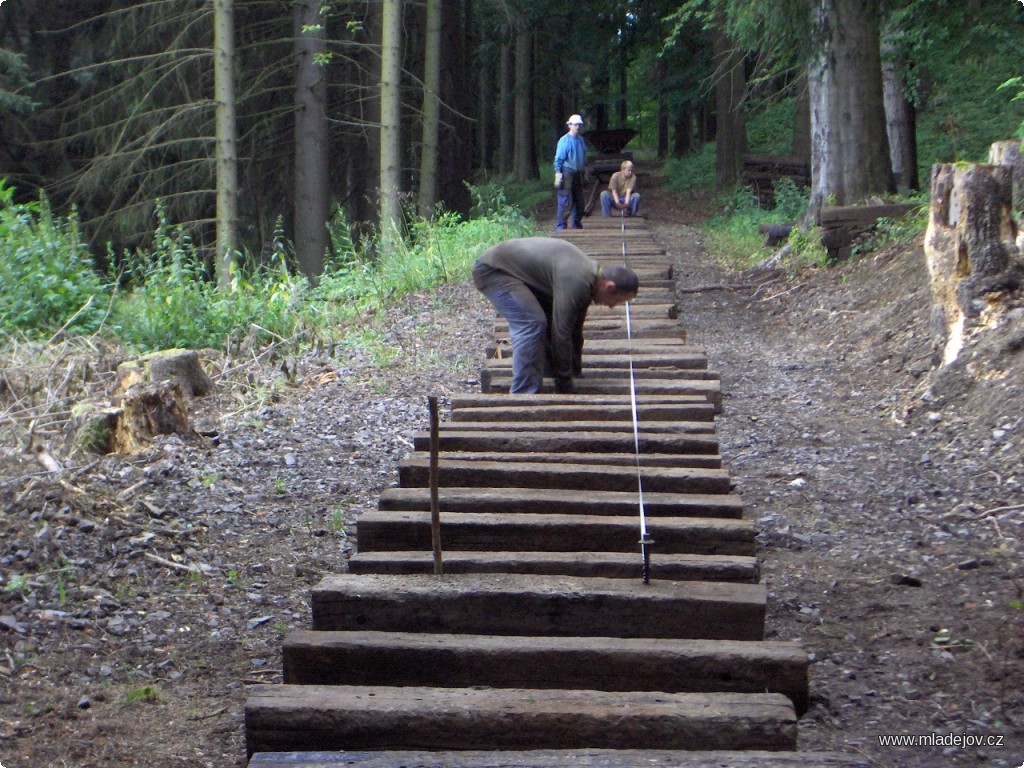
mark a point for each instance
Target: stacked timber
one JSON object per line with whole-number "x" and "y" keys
{"x": 540, "y": 644}
{"x": 763, "y": 172}
{"x": 843, "y": 226}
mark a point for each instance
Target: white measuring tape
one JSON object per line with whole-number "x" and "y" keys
{"x": 645, "y": 539}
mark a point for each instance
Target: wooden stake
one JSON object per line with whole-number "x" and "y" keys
{"x": 435, "y": 505}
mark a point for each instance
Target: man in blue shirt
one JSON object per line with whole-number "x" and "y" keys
{"x": 570, "y": 162}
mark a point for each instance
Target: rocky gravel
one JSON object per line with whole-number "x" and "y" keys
{"x": 140, "y": 595}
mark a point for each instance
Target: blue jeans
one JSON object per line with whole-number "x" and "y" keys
{"x": 607, "y": 202}
{"x": 570, "y": 198}
{"x": 527, "y": 325}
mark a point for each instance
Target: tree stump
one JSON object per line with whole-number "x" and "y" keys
{"x": 1009, "y": 153}
{"x": 180, "y": 365}
{"x": 147, "y": 410}
{"x": 144, "y": 411}
{"x": 94, "y": 427}
{"x": 970, "y": 248}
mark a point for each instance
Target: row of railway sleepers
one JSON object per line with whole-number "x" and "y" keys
{"x": 541, "y": 645}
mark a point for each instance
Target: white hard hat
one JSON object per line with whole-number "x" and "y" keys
{"x": 574, "y": 120}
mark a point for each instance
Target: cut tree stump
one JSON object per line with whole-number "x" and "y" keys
{"x": 181, "y": 365}
{"x": 970, "y": 249}
{"x": 1009, "y": 153}
{"x": 147, "y": 410}
{"x": 133, "y": 420}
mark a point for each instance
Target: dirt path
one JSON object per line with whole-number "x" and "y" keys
{"x": 140, "y": 596}
{"x": 871, "y": 504}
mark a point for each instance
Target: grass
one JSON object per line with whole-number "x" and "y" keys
{"x": 733, "y": 237}
{"x": 164, "y": 296}
{"x": 694, "y": 172}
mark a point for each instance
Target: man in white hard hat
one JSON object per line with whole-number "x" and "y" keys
{"x": 570, "y": 162}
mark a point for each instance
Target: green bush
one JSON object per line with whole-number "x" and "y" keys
{"x": 168, "y": 296}
{"x": 770, "y": 128}
{"x": 694, "y": 172}
{"x": 47, "y": 278}
{"x": 790, "y": 201}
{"x": 1016, "y": 84}
{"x": 732, "y": 236}
{"x": 498, "y": 199}
{"x": 806, "y": 248}
{"x": 365, "y": 278}
{"x": 961, "y": 58}
{"x": 172, "y": 301}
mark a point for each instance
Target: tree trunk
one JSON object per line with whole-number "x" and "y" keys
{"x": 850, "y": 155}
{"x": 390, "y": 119}
{"x": 682, "y": 135}
{"x": 506, "y": 109}
{"x": 730, "y": 85}
{"x": 227, "y": 137}
{"x": 525, "y": 159}
{"x": 623, "y": 87}
{"x": 312, "y": 188}
{"x": 456, "y": 128}
{"x": 970, "y": 249}
{"x": 901, "y": 119}
{"x": 663, "y": 122}
{"x": 802, "y": 121}
{"x": 485, "y": 121}
{"x": 359, "y": 151}
{"x": 431, "y": 110}
{"x": 598, "y": 119}
{"x": 706, "y": 129}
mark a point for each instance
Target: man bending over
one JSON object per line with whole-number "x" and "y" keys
{"x": 544, "y": 286}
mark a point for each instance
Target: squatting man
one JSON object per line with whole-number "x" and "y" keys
{"x": 544, "y": 286}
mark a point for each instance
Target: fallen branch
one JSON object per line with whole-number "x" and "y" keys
{"x": 30, "y": 414}
{"x": 27, "y": 477}
{"x": 995, "y": 510}
{"x": 783, "y": 293}
{"x": 202, "y": 570}
{"x": 70, "y": 320}
{"x": 27, "y": 489}
{"x": 43, "y": 457}
{"x": 261, "y": 355}
{"x": 208, "y": 715}
{"x": 72, "y": 488}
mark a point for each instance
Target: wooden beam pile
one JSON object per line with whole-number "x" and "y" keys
{"x": 762, "y": 172}
{"x": 843, "y": 226}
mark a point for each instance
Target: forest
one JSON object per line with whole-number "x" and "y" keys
{"x": 254, "y": 127}
{"x": 291, "y": 195}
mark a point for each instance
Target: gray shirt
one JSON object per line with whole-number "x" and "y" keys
{"x": 562, "y": 278}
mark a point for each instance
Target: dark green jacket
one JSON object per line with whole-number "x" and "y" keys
{"x": 562, "y": 278}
